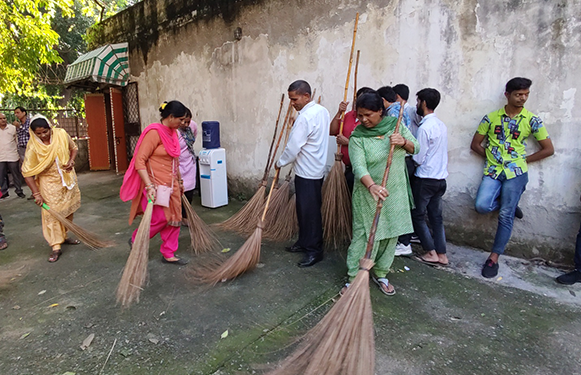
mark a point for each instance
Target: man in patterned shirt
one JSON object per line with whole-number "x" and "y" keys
{"x": 505, "y": 172}
{"x": 23, "y": 124}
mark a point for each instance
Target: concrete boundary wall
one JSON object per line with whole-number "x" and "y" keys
{"x": 466, "y": 49}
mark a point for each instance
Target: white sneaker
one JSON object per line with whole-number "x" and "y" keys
{"x": 401, "y": 249}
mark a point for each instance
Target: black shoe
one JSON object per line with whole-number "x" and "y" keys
{"x": 295, "y": 249}
{"x": 179, "y": 262}
{"x": 21, "y": 195}
{"x": 490, "y": 269}
{"x": 518, "y": 213}
{"x": 415, "y": 239}
{"x": 310, "y": 260}
{"x": 570, "y": 278}
{"x": 4, "y": 196}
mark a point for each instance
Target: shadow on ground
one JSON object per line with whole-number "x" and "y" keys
{"x": 441, "y": 321}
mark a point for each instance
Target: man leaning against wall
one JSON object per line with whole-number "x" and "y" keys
{"x": 505, "y": 171}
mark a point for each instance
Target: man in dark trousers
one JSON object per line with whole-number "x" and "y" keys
{"x": 307, "y": 149}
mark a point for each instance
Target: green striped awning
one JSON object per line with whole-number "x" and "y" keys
{"x": 108, "y": 64}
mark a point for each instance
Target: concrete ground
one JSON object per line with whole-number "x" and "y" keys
{"x": 441, "y": 321}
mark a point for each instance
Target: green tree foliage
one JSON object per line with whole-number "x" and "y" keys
{"x": 38, "y": 40}
{"x": 27, "y": 40}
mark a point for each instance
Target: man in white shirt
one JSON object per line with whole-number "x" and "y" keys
{"x": 9, "y": 158}
{"x": 307, "y": 149}
{"x": 430, "y": 182}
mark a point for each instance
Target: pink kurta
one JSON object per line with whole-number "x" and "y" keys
{"x": 187, "y": 160}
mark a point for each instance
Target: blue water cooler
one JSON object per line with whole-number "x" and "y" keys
{"x": 212, "y": 161}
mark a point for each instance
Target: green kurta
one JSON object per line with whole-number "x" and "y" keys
{"x": 369, "y": 157}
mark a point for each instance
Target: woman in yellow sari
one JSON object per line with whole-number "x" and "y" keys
{"x": 49, "y": 173}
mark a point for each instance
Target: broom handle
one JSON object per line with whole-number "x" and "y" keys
{"x": 279, "y": 139}
{"x": 371, "y": 239}
{"x": 273, "y": 139}
{"x": 355, "y": 77}
{"x": 270, "y": 193}
{"x": 341, "y": 121}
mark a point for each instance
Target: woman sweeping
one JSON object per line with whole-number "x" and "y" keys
{"x": 369, "y": 149}
{"x": 153, "y": 174}
{"x": 187, "y": 133}
{"x": 49, "y": 173}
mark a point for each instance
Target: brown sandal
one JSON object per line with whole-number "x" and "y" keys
{"x": 54, "y": 256}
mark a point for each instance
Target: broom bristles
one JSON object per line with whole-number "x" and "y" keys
{"x": 336, "y": 207}
{"x": 135, "y": 271}
{"x": 287, "y": 226}
{"x": 202, "y": 238}
{"x": 245, "y": 259}
{"x": 343, "y": 342}
{"x": 243, "y": 221}
{"x": 274, "y": 216}
{"x": 86, "y": 237}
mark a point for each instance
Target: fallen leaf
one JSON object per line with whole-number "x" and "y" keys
{"x": 224, "y": 335}
{"x": 573, "y": 293}
{"x": 87, "y": 342}
{"x": 225, "y": 250}
{"x": 41, "y": 292}
{"x": 155, "y": 341}
{"x": 455, "y": 318}
{"x": 71, "y": 307}
{"x": 25, "y": 335}
{"x": 70, "y": 373}
{"x": 499, "y": 278}
{"x": 125, "y": 352}
{"x": 406, "y": 268}
{"x": 260, "y": 265}
{"x": 53, "y": 305}
{"x": 16, "y": 307}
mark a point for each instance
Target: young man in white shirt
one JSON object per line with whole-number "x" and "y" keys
{"x": 307, "y": 149}
{"x": 430, "y": 179}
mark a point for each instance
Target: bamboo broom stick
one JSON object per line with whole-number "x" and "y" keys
{"x": 336, "y": 205}
{"x": 241, "y": 222}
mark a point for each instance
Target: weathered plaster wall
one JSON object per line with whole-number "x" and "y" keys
{"x": 466, "y": 49}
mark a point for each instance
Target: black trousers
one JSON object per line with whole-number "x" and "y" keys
{"x": 16, "y": 176}
{"x": 309, "y": 200}
{"x": 350, "y": 177}
{"x": 190, "y": 196}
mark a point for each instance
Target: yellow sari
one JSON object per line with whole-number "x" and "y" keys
{"x": 58, "y": 188}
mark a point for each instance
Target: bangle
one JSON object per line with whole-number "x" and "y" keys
{"x": 369, "y": 187}
{"x": 149, "y": 185}
{"x": 37, "y": 194}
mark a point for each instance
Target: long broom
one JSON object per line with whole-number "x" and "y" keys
{"x": 202, "y": 238}
{"x": 336, "y": 205}
{"x": 284, "y": 230}
{"x": 275, "y": 217}
{"x": 343, "y": 342}
{"x": 86, "y": 237}
{"x": 135, "y": 272}
{"x": 245, "y": 259}
{"x": 241, "y": 221}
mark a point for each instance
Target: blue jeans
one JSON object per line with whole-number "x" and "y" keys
{"x": 428, "y": 194}
{"x": 503, "y": 195}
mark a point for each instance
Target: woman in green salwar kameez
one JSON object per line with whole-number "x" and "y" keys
{"x": 369, "y": 149}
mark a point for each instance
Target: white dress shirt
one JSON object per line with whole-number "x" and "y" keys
{"x": 308, "y": 142}
{"x": 432, "y": 160}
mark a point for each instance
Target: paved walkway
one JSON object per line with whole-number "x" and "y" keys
{"x": 441, "y": 321}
